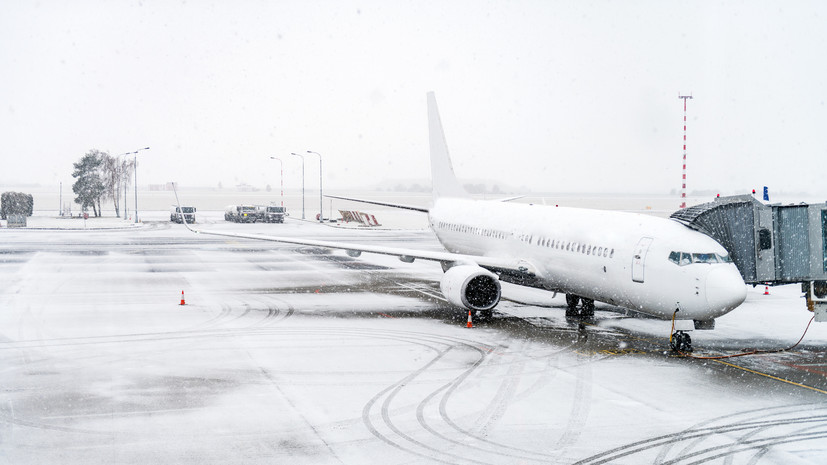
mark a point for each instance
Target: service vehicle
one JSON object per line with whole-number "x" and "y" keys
{"x": 242, "y": 213}
{"x": 176, "y": 212}
{"x": 274, "y": 214}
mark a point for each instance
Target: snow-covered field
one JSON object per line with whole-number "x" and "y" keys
{"x": 285, "y": 354}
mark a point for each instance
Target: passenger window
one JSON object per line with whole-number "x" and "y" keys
{"x": 675, "y": 257}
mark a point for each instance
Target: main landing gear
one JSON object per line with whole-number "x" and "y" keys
{"x": 586, "y": 310}
{"x": 681, "y": 342}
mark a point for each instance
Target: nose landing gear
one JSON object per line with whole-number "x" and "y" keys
{"x": 680, "y": 342}
{"x": 586, "y": 310}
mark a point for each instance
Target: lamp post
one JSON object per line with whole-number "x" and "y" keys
{"x": 302, "y": 157}
{"x": 281, "y": 165}
{"x": 135, "y": 170}
{"x": 321, "y": 215}
{"x": 136, "y": 184}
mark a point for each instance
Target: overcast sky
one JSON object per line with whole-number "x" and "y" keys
{"x": 556, "y": 96}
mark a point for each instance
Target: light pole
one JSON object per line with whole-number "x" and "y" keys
{"x": 135, "y": 169}
{"x": 125, "y": 181}
{"x": 321, "y": 215}
{"x": 281, "y": 165}
{"x": 302, "y": 157}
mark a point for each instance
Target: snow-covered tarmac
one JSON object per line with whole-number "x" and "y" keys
{"x": 284, "y": 354}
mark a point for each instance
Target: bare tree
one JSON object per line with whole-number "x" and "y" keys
{"x": 116, "y": 173}
{"x": 127, "y": 167}
{"x": 111, "y": 177}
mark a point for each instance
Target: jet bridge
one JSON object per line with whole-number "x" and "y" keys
{"x": 770, "y": 244}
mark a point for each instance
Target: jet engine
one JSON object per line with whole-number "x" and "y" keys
{"x": 471, "y": 287}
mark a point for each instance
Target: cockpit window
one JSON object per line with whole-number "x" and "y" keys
{"x": 683, "y": 258}
{"x": 704, "y": 258}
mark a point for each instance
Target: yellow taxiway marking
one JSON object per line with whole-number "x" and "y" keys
{"x": 771, "y": 377}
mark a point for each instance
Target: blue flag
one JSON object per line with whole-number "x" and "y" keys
{"x": 766, "y": 194}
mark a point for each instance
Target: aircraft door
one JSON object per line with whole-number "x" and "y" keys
{"x": 639, "y": 258}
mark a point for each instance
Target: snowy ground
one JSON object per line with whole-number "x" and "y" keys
{"x": 285, "y": 354}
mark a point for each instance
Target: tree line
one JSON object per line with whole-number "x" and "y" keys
{"x": 99, "y": 177}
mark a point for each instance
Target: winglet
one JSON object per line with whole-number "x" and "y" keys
{"x": 445, "y": 183}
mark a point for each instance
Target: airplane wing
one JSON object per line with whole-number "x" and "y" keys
{"x": 406, "y": 255}
{"x": 509, "y": 199}
{"x": 408, "y": 207}
{"x": 384, "y": 204}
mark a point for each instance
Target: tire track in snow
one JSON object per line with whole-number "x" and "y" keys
{"x": 758, "y": 420}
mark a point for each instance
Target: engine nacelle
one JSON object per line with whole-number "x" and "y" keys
{"x": 471, "y": 287}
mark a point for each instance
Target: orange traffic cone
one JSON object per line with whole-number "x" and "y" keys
{"x": 766, "y": 290}
{"x": 469, "y": 325}
{"x": 182, "y": 298}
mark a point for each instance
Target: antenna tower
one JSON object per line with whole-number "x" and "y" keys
{"x": 683, "y": 185}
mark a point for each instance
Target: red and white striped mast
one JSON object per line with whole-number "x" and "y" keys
{"x": 683, "y": 185}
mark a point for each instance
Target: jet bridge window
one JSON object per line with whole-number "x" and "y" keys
{"x": 764, "y": 239}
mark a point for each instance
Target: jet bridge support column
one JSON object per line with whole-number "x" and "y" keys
{"x": 816, "y": 294}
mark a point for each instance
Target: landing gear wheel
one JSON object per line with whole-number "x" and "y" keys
{"x": 588, "y": 308}
{"x": 571, "y": 305}
{"x": 681, "y": 342}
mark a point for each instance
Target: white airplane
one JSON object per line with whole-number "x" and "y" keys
{"x": 654, "y": 266}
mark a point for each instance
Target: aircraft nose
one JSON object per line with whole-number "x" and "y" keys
{"x": 725, "y": 289}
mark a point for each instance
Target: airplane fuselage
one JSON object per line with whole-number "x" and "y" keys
{"x": 625, "y": 259}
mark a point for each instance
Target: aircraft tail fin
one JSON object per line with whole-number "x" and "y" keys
{"x": 445, "y": 183}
